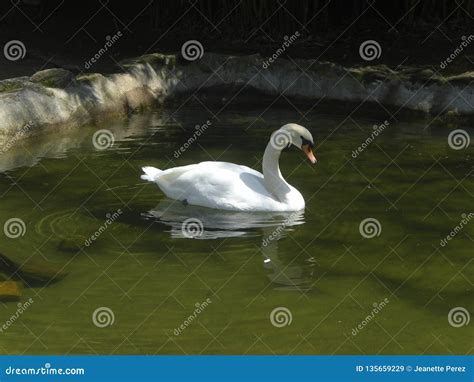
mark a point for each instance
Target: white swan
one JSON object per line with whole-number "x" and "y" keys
{"x": 232, "y": 187}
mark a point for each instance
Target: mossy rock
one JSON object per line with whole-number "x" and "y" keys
{"x": 153, "y": 59}
{"x": 371, "y": 74}
{"x": 13, "y": 84}
{"x": 10, "y": 291}
{"x": 90, "y": 78}
{"x": 54, "y": 78}
{"x": 139, "y": 99}
{"x": 212, "y": 61}
{"x": 324, "y": 69}
{"x": 423, "y": 76}
{"x": 32, "y": 272}
{"x": 463, "y": 79}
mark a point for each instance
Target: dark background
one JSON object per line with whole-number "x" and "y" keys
{"x": 66, "y": 33}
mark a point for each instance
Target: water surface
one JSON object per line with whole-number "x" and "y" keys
{"x": 316, "y": 268}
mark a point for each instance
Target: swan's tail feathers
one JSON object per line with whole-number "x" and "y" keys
{"x": 150, "y": 173}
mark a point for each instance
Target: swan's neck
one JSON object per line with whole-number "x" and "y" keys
{"x": 274, "y": 182}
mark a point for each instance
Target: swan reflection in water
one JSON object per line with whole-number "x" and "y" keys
{"x": 194, "y": 222}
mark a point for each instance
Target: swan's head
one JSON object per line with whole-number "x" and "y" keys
{"x": 297, "y": 135}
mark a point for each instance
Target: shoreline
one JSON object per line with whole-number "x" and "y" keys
{"x": 53, "y": 97}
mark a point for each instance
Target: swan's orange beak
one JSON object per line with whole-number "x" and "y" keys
{"x": 309, "y": 153}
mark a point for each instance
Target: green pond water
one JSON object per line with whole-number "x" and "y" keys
{"x": 318, "y": 274}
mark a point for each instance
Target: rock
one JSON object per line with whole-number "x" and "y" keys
{"x": 54, "y": 78}
{"x": 90, "y": 78}
{"x": 158, "y": 77}
{"x": 13, "y": 84}
{"x": 153, "y": 59}
{"x": 31, "y": 272}
{"x": 10, "y": 291}
{"x": 139, "y": 99}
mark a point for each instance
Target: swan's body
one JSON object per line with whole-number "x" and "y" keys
{"x": 221, "y": 185}
{"x": 228, "y": 186}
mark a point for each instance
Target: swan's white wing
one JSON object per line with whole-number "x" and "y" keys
{"x": 216, "y": 185}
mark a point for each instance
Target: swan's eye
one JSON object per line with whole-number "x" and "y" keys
{"x": 306, "y": 142}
